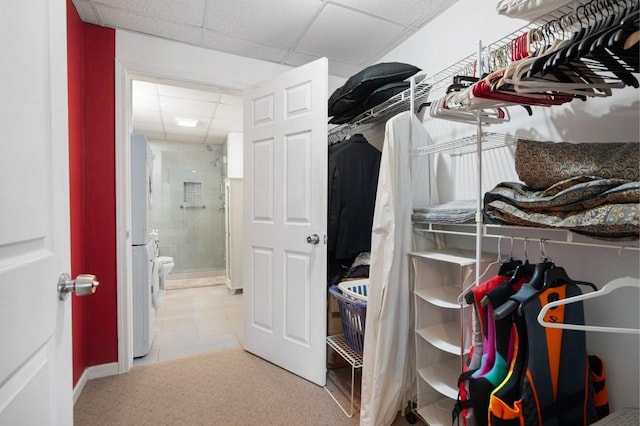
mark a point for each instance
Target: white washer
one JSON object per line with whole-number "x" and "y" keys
{"x": 145, "y": 292}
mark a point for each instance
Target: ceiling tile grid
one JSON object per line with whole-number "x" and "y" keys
{"x": 274, "y": 23}
{"x": 352, "y": 34}
{"x": 348, "y": 36}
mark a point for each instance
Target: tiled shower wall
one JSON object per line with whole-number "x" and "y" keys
{"x": 188, "y": 205}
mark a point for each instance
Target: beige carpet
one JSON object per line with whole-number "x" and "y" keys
{"x": 228, "y": 387}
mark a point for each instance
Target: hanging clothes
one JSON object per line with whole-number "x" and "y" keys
{"x": 354, "y": 165}
{"x": 388, "y": 371}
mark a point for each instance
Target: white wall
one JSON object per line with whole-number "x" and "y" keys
{"x": 234, "y": 155}
{"x": 453, "y": 36}
{"x": 164, "y": 58}
{"x": 169, "y": 59}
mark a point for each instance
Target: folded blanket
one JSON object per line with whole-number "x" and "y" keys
{"x": 601, "y": 208}
{"x": 463, "y": 211}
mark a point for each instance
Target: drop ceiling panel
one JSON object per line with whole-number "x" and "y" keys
{"x": 144, "y": 87}
{"x": 120, "y": 18}
{"x": 236, "y": 46}
{"x": 151, "y": 131}
{"x": 273, "y": 23}
{"x": 228, "y": 111}
{"x": 145, "y": 116}
{"x": 169, "y": 120}
{"x": 185, "y": 11}
{"x": 146, "y": 101}
{"x": 217, "y": 136}
{"x": 231, "y": 100}
{"x": 405, "y": 12}
{"x": 187, "y": 107}
{"x": 348, "y": 36}
{"x": 85, "y": 11}
{"x": 230, "y": 124}
{"x": 186, "y": 93}
{"x": 182, "y": 137}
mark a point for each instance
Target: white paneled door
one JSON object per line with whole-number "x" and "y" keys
{"x": 285, "y": 220}
{"x": 35, "y": 326}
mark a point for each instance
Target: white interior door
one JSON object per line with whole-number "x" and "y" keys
{"x": 285, "y": 202}
{"x": 35, "y": 330}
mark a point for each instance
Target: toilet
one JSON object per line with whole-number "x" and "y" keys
{"x": 166, "y": 265}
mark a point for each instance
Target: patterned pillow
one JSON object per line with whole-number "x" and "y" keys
{"x": 541, "y": 164}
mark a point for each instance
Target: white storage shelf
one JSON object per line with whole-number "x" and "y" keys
{"x": 443, "y": 376}
{"x": 438, "y": 413}
{"x": 445, "y": 337}
{"x": 444, "y": 297}
{"x": 439, "y": 277}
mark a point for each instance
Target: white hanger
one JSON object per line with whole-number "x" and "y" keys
{"x": 608, "y": 288}
{"x": 441, "y": 109}
{"x": 477, "y": 280}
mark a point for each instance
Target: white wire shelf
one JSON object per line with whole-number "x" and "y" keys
{"x": 468, "y": 144}
{"x": 339, "y": 344}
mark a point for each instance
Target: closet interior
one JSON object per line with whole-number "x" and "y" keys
{"x": 464, "y": 317}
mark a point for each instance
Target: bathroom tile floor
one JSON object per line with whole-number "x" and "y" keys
{"x": 195, "y": 320}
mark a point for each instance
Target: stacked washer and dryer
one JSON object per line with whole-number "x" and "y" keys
{"x": 145, "y": 265}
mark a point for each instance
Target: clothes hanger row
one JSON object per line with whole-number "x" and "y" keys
{"x": 582, "y": 55}
{"x": 540, "y": 276}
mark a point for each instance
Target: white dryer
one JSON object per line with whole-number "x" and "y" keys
{"x": 145, "y": 283}
{"x": 145, "y": 293}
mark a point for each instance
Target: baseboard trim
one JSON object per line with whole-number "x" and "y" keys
{"x": 102, "y": 370}
{"x": 78, "y": 388}
{"x": 94, "y": 372}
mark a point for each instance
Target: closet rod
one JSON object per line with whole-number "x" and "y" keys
{"x": 546, "y": 240}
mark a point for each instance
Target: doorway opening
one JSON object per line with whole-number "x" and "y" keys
{"x": 187, "y": 128}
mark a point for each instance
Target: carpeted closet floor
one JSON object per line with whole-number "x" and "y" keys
{"x": 198, "y": 374}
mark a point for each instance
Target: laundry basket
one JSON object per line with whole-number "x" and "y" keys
{"x": 353, "y": 315}
{"x": 355, "y": 289}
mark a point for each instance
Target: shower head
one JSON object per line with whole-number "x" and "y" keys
{"x": 209, "y": 148}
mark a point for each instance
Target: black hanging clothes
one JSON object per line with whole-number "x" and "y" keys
{"x": 354, "y": 165}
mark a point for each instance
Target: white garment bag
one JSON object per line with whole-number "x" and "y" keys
{"x": 404, "y": 183}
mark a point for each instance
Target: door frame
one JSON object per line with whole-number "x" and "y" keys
{"x": 125, "y": 72}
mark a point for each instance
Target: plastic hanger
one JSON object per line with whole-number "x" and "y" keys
{"x": 466, "y": 293}
{"x": 509, "y": 267}
{"x": 521, "y": 271}
{"x": 613, "y": 285}
{"x": 608, "y": 288}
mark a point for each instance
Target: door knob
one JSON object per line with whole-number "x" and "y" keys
{"x": 313, "y": 239}
{"x": 83, "y": 285}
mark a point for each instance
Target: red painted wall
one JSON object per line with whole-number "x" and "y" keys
{"x": 100, "y": 186}
{"x": 91, "y": 75}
